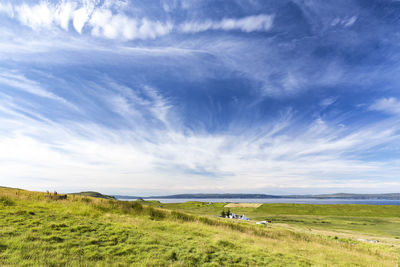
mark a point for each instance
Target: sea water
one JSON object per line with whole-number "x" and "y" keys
{"x": 279, "y": 200}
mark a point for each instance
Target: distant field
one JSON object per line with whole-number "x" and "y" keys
{"x": 38, "y": 229}
{"x": 243, "y": 205}
{"x": 352, "y": 210}
{"x": 342, "y": 219}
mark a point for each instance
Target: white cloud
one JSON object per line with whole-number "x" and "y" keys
{"x": 345, "y": 22}
{"x": 247, "y": 24}
{"x": 41, "y": 16}
{"x": 64, "y": 14}
{"x": 350, "y": 21}
{"x": 81, "y": 16}
{"x": 160, "y": 108}
{"x": 151, "y": 30}
{"x": 388, "y": 105}
{"x": 145, "y": 160}
{"x": 327, "y": 102}
{"x": 116, "y": 4}
{"x": 101, "y": 20}
{"x": 7, "y": 8}
{"x": 104, "y": 23}
{"x": 137, "y": 109}
{"x": 20, "y": 82}
{"x": 37, "y": 16}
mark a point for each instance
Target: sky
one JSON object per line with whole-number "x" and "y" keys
{"x": 175, "y": 96}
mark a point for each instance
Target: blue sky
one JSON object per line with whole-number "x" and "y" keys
{"x": 159, "y": 97}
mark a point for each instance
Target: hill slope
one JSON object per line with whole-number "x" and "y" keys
{"x": 85, "y": 231}
{"x": 94, "y": 194}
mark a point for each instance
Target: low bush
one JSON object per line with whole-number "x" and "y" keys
{"x": 156, "y": 214}
{"x": 86, "y": 200}
{"x": 180, "y": 216}
{"x": 130, "y": 206}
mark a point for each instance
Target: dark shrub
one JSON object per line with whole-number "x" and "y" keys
{"x": 129, "y": 206}
{"x": 182, "y": 216}
{"x": 57, "y": 196}
{"x": 156, "y": 214}
{"x": 137, "y": 207}
{"x": 86, "y": 200}
{"x": 172, "y": 256}
{"x": 225, "y": 243}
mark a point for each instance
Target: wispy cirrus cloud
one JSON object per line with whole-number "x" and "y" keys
{"x": 345, "y": 22}
{"x": 388, "y": 105}
{"x": 144, "y": 159}
{"x": 20, "y": 82}
{"x": 175, "y": 162}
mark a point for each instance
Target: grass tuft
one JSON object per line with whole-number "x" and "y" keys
{"x": 6, "y": 201}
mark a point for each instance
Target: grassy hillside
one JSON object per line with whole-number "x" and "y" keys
{"x": 37, "y": 229}
{"x": 94, "y": 194}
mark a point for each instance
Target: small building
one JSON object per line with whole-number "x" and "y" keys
{"x": 237, "y": 217}
{"x": 233, "y": 216}
{"x": 244, "y": 218}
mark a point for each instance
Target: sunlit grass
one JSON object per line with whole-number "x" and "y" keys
{"x": 84, "y": 231}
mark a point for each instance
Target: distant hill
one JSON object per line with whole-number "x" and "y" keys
{"x": 6, "y": 187}
{"x": 388, "y": 196}
{"x": 93, "y": 194}
{"x": 392, "y": 196}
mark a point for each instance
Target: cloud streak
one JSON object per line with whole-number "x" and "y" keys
{"x": 20, "y": 82}
{"x": 260, "y": 23}
{"x": 105, "y": 24}
{"x": 388, "y": 105}
{"x": 102, "y": 22}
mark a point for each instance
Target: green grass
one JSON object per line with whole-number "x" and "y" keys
{"x": 374, "y": 220}
{"x": 83, "y": 231}
{"x": 353, "y": 210}
{"x": 379, "y": 226}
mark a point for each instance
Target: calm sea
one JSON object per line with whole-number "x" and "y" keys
{"x": 280, "y": 200}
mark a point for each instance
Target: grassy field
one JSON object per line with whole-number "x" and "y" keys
{"x": 243, "y": 205}
{"x": 354, "y": 210}
{"x": 38, "y": 229}
{"x": 355, "y": 221}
